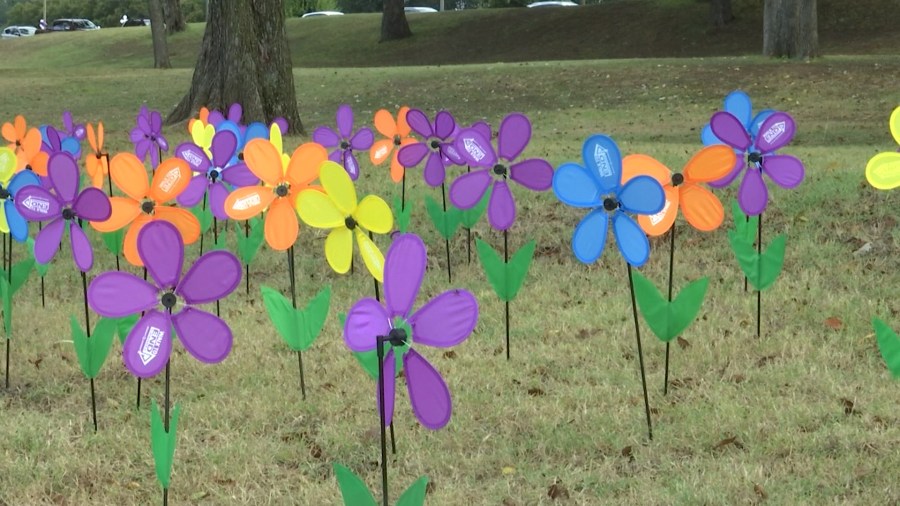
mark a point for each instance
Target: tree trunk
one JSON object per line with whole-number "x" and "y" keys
{"x": 174, "y": 17}
{"x": 720, "y": 13}
{"x": 158, "y": 33}
{"x": 244, "y": 58}
{"x": 790, "y": 29}
{"x": 393, "y": 21}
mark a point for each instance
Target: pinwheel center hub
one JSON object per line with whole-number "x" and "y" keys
{"x": 281, "y": 190}
{"x": 98, "y": 156}
{"x": 754, "y": 157}
{"x": 435, "y": 144}
{"x": 610, "y": 204}
{"x": 396, "y": 140}
{"x": 241, "y": 156}
{"x": 168, "y": 300}
{"x": 345, "y": 144}
{"x": 500, "y": 170}
{"x": 677, "y": 179}
{"x": 152, "y": 138}
{"x": 397, "y": 337}
{"x": 214, "y": 174}
{"x": 4, "y": 193}
{"x": 350, "y": 223}
{"x": 147, "y": 207}
{"x": 68, "y": 214}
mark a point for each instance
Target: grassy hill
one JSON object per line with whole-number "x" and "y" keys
{"x": 614, "y": 29}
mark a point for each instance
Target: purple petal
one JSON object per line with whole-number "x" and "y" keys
{"x": 483, "y": 128}
{"x": 149, "y": 345}
{"x": 785, "y": 170}
{"x": 143, "y": 123}
{"x": 215, "y": 117}
{"x": 434, "y": 169}
{"x": 81, "y": 248}
{"x": 137, "y": 135}
{"x": 535, "y": 174}
{"x": 92, "y": 205}
{"x": 224, "y": 143}
{"x": 412, "y": 154}
{"x": 193, "y": 193}
{"x": 362, "y": 139}
{"x": 445, "y": 320}
{"x": 501, "y": 207}
{"x": 467, "y": 189}
{"x": 47, "y": 242}
{"x": 753, "y": 195}
{"x": 419, "y": 122}
{"x": 775, "y": 132}
{"x": 36, "y": 203}
{"x": 161, "y": 248}
{"x": 282, "y": 124}
{"x": 212, "y": 277}
{"x": 404, "y": 269}
{"x": 194, "y": 156}
{"x": 326, "y": 137}
{"x": 205, "y": 336}
{"x": 337, "y": 156}
{"x": 239, "y": 175}
{"x": 67, "y": 122}
{"x": 162, "y": 143}
{"x": 476, "y": 148}
{"x": 515, "y": 132}
{"x": 53, "y": 142}
{"x": 235, "y": 112}
{"x": 155, "y": 122}
{"x": 390, "y": 381}
{"x": 217, "y": 195}
{"x": 344, "y": 118}
{"x": 444, "y": 124}
{"x": 351, "y": 165}
{"x": 452, "y": 154}
{"x": 428, "y": 394}
{"x": 739, "y": 163}
{"x": 730, "y": 130}
{"x": 63, "y": 172}
{"x": 141, "y": 148}
{"x": 366, "y": 321}
{"x": 118, "y": 294}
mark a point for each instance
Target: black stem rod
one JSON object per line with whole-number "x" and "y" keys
{"x": 215, "y": 242}
{"x": 671, "y": 271}
{"x": 87, "y": 324}
{"x": 446, "y": 241}
{"x": 506, "y": 260}
{"x": 379, "y": 347}
{"x": 7, "y": 260}
{"x": 759, "y": 240}
{"x": 293, "y": 279}
{"x": 247, "y": 266}
{"x": 637, "y": 334}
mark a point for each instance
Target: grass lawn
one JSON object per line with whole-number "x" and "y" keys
{"x": 806, "y": 414}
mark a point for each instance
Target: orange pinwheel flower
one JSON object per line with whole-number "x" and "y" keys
{"x": 282, "y": 185}
{"x": 96, "y": 164}
{"x": 27, "y": 146}
{"x": 397, "y": 133}
{"x": 700, "y": 207}
{"x": 203, "y": 118}
{"x": 145, "y": 200}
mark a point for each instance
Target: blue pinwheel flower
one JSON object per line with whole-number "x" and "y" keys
{"x": 738, "y": 104}
{"x": 598, "y": 186}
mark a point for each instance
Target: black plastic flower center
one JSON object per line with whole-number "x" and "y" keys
{"x": 214, "y": 174}
{"x": 147, "y": 207}
{"x": 345, "y": 144}
{"x": 755, "y": 157}
{"x": 397, "y": 337}
{"x": 169, "y": 300}
{"x": 241, "y": 156}
{"x": 68, "y": 214}
{"x": 98, "y": 155}
{"x": 350, "y": 223}
{"x": 281, "y": 190}
{"x": 435, "y": 144}
{"x": 677, "y": 179}
{"x": 610, "y": 204}
{"x": 18, "y": 143}
{"x": 153, "y": 138}
{"x": 500, "y": 170}
{"x": 28, "y": 167}
{"x": 396, "y": 140}
{"x": 4, "y": 193}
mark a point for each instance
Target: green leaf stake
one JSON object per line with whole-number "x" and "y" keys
{"x": 446, "y": 221}
{"x": 469, "y": 217}
{"x": 402, "y": 213}
{"x": 42, "y": 270}
{"x": 889, "y": 345}
{"x": 248, "y": 245}
{"x": 506, "y": 277}
{"x": 114, "y": 242}
{"x": 204, "y": 217}
{"x": 124, "y": 326}
{"x": 162, "y": 442}
{"x": 668, "y": 319}
{"x": 10, "y": 282}
{"x": 92, "y": 351}
{"x": 355, "y": 492}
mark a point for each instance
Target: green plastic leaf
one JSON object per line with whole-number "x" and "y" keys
{"x": 445, "y": 222}
{"x": 505, "y": 278}
{"x": 298, "y": 327}
{"x": 248, "y": 246}
{"x": 92, "y": 351}
{"x": 7, "y": 306}
{"x": 114, "y": 241}
{"x": 163, "y": 443}
{"x": 469, "y": 217}
{"x": 415, "y": 494}
{"x": 889, "y": 345}
{"x": 744, "y": 227}
{"x": 760, "y": 270}
{"x": 353, "y": 489}
{"x": 667, "y": 319}
{"x": 124, "y": 326}
{"x": 402, "y": 215}
{"x": 204, "y": 216}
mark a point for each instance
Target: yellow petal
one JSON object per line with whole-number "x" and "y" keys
{"x": 339, "y": 187}
{"x": 8, "y": 163}
{"x": 317, "y": 210}
{"x": 895, "y": 124}
{"x": 374, "y": 214}
{"x": 202, "y": 136}
{"x": 883, "y": 171}
{"x": 275, "y": 137}
{"x": 339, "y": 249}
{"x": 4, "y": 225}
{"x": 371, "y": 256}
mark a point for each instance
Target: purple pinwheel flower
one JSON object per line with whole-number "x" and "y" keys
{"x": 476, "y": 149}
{"x": 73, "y": 130}
{"x": 775, "y": 132}
{"x": 739, "y": 104}
{"x": 444, "y": 321}
{"x": 437, "y": 141}
{"x": 169, "y": 302}
{"x": 345, "y": 140}
{"x": 65, "y": 208}
{"x": 147, "y": 135}
{"x": 212, "y": 172}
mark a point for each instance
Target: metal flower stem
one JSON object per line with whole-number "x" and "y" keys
{"x": 87, "y": 325}
{"x": 43, "y": 299}
{"x": 202, "y": 208}
{"x": 506, "y": 261}
{"x": 637, "y": 334}
{"x": 671, "y": 269}
{"x": 446, "y": 241}
{"x": 396, "y": 337}
{"x": 292, "y": 275}
{"x": 7, "y": 260}
{"x": 378, "y": 298}
{"x": 215, "y": 242}
{"x": 758, "y": 292}
{"x": 138, "y": 404}
{"x": 166, "y": 409}
{"x": 468, "y": 232}
{"x": 247, "y": 265}
{"x": 403, "y": 192}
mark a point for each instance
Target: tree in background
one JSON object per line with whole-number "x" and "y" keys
{"x": 158, "y": 33}
{"x": 720, "y": 13}
{"x": 174, "y": 18}
{"x": 393, "y": 21}
{"x": 790, "y": 29}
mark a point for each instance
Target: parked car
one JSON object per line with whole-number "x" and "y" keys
{"x": 72, "y": 24}
{"x": 410, "y": 10}
{"x": 14, "y": 32}
{"x": 321, "y": 13}
{"x": 137, "y": 21}
{"x": 554, "y": 3}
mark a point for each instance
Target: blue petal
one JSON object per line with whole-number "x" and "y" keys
{"x": 632, "y": 241}
{"x": 590, "y": 236}
{"x": 575, "y": 186}
{"x": 738, "y": 103}
{"x": 255, "y": 130}
{"x": 72, "y": 146}
{"x": 602, "y": 158}
{"x": 18, "y": 227}
{"x": 642, "y": 195}
{"x": 21, "y": 180}
{"x": 707, "y": 137}
{"x": 758, "y": 121}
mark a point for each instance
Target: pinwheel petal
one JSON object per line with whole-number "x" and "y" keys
{"x": 281, "y": 226}
{"x": 739, "y": 164}
{"x": 245, "y": 203}
{"x": 205, "y": 336}
{"x": 317, "y": 210}
{"x": 326, "y": 136}
{"x": 515, "y": 132}
{"x": 419, "y": 123}
{"x": 92, "y": 205}
{"x": 350, "y": 164}
{"x": 397, "y": 169}
{"x": 389, "y": 375}
{"x": 445, "y": 320}
{"x": 30, "y": 151}
{"x": 162, "y": 252}
{"x": 467, "y": 190}
{"x": 448, "y": 149}
{"x": 13, "y": 223}
{"x": 775, "y": 132}
{"x": 162, "y": 144}
{"x": 48, "y": 239}
{"x": 344, "y": 119}
{"x": 374, "y": 215}
{"x": 193, "y": 194}
{"x": 602, "y": 157}
{"x": 212, "y": 277}
{"x": 631, "y": 240}
{"x": 21, "y": 180}
{"x": 738, "y": 103}
{"x": 255, "y": 130}
{"x": 403, "y": 128}
{"x": 362, "y": 139}
{"x": 575, "y": 186}
{"x": 413, "y": 154}
{"x": 730, "y": 130}
{"x": 758, "y": 120}
{"x": 707, "y": 137}
{"x": 435, "y": 172}
{"x": 36, "y": 203}
{"x": 476, "y": 148}
{"x": 701, "y": 208}
{"x": 136, "y": 135}
{"x": 895, "y": 125}
{"x": 366, "y": 321}
{"x": 63, "y": 172}
{"x": 186, "y": 223}
{"x": 883, "y": 171}
{"x": 122, "y": 212}
{"x": 239, "y": 176}
{"x": 638, "y": 164}
{"x": 785, "y": 170}
{"x": 8, "y": 163}
{"x": 590, "y": 236}
{"x": 217, "y": 195}
{"x": 753, "y": 195}
{"x": 404, "y": 269}
{"x": 119, "y": 294}
{"x": 535, "y": 174}
{"x": 501, "y": 207}
{"x": 263, "y": 158}
{"x": 4, "y": 209}
{"x": 428, "y": 394}
{"x": 129, "y": 245}
{"x": 339, "y": 249}
{"x": 642, "y": 195}
{"x": 149, "y": 345}
{"x": 385, "y": 124}
{"x": 130, "y": 175}
{"x": 9, "y": 133}
{"x": 711, "y": 163}
{"x": 371, "y": 256}
{"x": 202, "y": 135}
{"x": 657, "y": 224}
{"x": 380, "y": 151}
{"x": 170, "y": 179}
{"x": 305, "y": 163}
{"x": 444, "y": 125}
{"x": 194, "y": 156}
{"x": 155, "y": 122}
{"x": 82, "y": 252}
{"x": 339, "y": 187}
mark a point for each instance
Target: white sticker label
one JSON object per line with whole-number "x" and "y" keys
{"x": 601, "y": 159}
{"x": 169, "y": 180}
{"x": 37, "y": 204}
{"x": 473, "y": 148}
{"x": 658, "y": 217}
{"x": 381, "y": 152}
{"x": 247, "y": 202}
{"x": 774, "y": 132}
{"x": 150, "y": 344}
{"x": 191, "y": 158}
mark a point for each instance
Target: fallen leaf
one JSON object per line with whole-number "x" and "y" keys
{"x": 761, "y": 492}
{"x": 628, "y": 453}
{"x": 449, "y": 354}
{"x": 315, "y": 451}
{"x": 834, "y": 322}
{"x": 558, "y": 491}
{"x": 508, "y": 470}
{"x": 849, "y": 407}
{"x": 729, "y": 441}
{"x": 535, "y": 392}
{"x": 683, "y": 343}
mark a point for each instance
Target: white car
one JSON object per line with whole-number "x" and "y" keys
{"x": 321, "y": 13}
{"x": 409, "y": 10}
{"x": 14, "y": 32}
{"x": 554, "y": 3}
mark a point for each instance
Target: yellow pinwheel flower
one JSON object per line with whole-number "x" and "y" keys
{"x": 337, "y": 209}
{"x": 202, "y": 135}
{"x": 275, "y": 139}
{"x": 883, "y": 170}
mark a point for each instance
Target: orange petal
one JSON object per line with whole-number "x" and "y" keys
{"x": 403, "y": 128}
{"x": 91, "y": 162}
{"x": 701, "y": 208}
{"x": 190, "y": 125}
{"x": 184, "y": 221}
{"x": 380, "y": 151}
{"x": 30, "y": 150}
{"x": 264, "y": 161}
{"x": 709, "y": 164}
{"x": 636, "y": 165}
{"x": 397, "y": 169}
{"x": 385, "y": 124}
{"x": 97, "y": 180}
{"x": 245, "y": 203}
{"x": 281, "y": 226}
{"x": 92, "y": 139}
{"x": 305, "y": 162}
{"x": 660, "y": 223}
{"x": 9, "y": 133}
{"x": 99, "y": 136}
{"x": 130, "y": 175}
{"x": 124, "y": 211}
{"x": 170, "y": 179}
{"x": 39, "y": 162}
{"x": 21, "y": 126}
{"x": 129, "y": 247}
{"x": 204, "y": 115}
